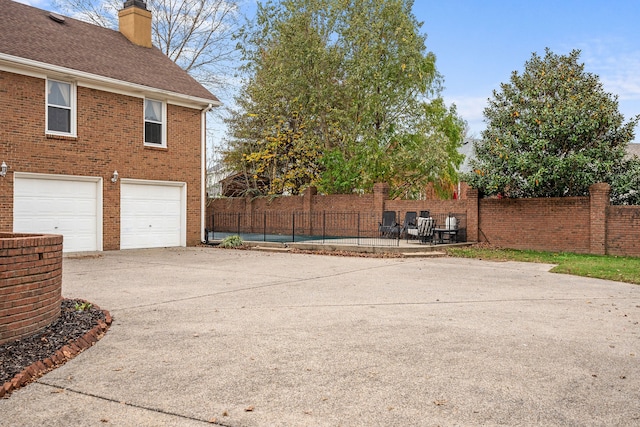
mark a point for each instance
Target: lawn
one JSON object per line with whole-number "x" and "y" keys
{"x": 621, "y": 269}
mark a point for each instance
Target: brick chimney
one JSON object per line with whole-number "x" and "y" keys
{"x": 135, "y": 22}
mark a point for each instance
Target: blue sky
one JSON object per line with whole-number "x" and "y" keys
{"x": 478, "y": 43}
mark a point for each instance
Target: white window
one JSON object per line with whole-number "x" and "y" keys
{"x": 61, "y": 108}
{"x": 155, "y": 129}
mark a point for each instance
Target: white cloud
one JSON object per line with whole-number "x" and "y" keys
{"x": 470, "y": 108}
{"x": 617, "y": 63}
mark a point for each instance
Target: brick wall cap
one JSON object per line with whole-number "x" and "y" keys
{"x": 22, "y": 240}
{"x": 600, "y": 187}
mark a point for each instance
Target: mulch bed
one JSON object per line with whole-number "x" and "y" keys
{"x": 25, "y": 360}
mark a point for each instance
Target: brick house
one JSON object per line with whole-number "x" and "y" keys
{"x": 102, "y": 135}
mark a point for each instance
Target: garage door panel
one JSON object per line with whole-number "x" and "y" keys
{"x": 151, "y": 215}
{"x": 59, "y": 206}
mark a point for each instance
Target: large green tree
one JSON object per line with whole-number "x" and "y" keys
{"x": 552, "y": 131}
{"x": 341, "y": 94}
{"x": 284, "y": 116}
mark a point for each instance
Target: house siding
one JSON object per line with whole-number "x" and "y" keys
{"x": 109, "y": 137}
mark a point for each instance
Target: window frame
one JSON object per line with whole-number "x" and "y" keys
{"x": 162, "y": 123}
{"x": 73, "y": 108}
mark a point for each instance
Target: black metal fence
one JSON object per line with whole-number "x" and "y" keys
{"x": 348, "y": 228}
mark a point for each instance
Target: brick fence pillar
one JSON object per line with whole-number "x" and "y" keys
{"x": 380, "y": 195}
{"x": 307, "y": 207}
{"x": 473, "y": 220}
{"x": 248, "y": 214}
{"x": 598, "y": 201}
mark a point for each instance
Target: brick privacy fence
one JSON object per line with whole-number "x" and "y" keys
{"x": 310, "y": 206}
{"x": 572, "y": 224}
{"x": 623, "y": 230}
{"x": 30, "y": 283}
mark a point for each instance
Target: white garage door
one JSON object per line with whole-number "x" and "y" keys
{"x": 60, "y": 204}
{"x": 152, "y": 214}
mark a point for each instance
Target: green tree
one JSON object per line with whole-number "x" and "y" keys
{"x": 358, "y": 74}
{"x": 283, "y": 121}
{"x": 625, "y": 187}
{"x": 551, "y": 132}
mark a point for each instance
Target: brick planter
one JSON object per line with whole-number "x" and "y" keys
{"x": 30, "y": 283}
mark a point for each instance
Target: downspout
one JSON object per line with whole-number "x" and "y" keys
{"x": 203, "y": 168}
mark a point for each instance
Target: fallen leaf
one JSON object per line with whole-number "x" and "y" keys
{"x": 440, "y": 402}
{"x": 249, "y": 408}
{"x": 213, "y": 421}
{"x": 104, "y": 420}
{"x": 225, "y": 413}
{"x": 59, "y": 390}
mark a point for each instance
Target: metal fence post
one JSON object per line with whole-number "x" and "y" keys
{"x": 264, "y": 226}
{"x": 324, "y": 225}
{"x": 293, "y": 226}
{"x": 358, "y": 238}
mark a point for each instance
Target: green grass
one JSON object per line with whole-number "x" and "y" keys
{"x": 620, "y": 269}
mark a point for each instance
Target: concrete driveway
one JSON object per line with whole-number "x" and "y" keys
{"x": 243, "y": 338}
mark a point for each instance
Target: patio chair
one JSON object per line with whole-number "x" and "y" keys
{"x": 410, "y": 225}
{"x": 451, "y": 225}
{"x": 425, "y": 229}
{"x": 389, "y": 227}
{"x": 425, "y": 214}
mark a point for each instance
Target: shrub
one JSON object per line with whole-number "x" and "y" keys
{"x": 232, "y": 242}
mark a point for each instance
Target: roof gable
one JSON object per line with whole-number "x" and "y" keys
{"x": 30, "y": 33}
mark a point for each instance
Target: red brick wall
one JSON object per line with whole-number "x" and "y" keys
{"x": 549, "y": 224}
{"x": 109, "y": 137}
{"x": 572, "y": 224}
{"x": 370, "y": 207}
{"x": 598, "y": 203}
{"x": 30, "y": 283}
{"x": 623, "y": 230}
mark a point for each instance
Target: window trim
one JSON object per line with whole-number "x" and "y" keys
{"x": 72, "y": 107}
{"x": 163, "y": 124}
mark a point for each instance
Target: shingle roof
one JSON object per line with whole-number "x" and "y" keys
{"x": 30, "y": 33}
{"x": 633, "y": 149}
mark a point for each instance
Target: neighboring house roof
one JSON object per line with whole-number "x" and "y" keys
{"x": 633, "y": 149}
{"x": 236, "y": 185}
{"x": 30, "y": 33}
{"x": 467, "y": 149}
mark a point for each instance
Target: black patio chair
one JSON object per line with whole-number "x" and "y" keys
{"x": 389, "y": 227}
{"x": 410, "y": 223}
